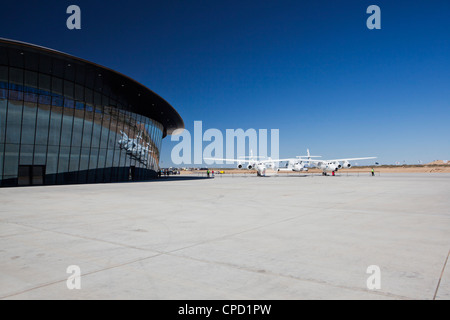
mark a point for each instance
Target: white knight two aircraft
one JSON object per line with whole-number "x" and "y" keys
{"x": 330, "y": 165}
{"x": 298, "y": 164}
{"x": 262, "y": 167}
{"x": 301, "y": 163}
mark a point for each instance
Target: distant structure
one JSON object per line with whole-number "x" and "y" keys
{"x": 439, "y": 162}
{"x": 67, "y": 120}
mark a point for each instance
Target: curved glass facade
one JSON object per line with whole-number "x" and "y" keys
{"x": 56, "y": 131}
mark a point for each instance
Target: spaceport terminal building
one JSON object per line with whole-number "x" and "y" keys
{"x": 66, "y": 120}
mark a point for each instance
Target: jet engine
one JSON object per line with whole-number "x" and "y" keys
{"x": 347, "y": 165}
{"x": 249, "y": 167}
{"x": 239, "y": 166}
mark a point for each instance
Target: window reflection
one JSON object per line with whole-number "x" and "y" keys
{"x": 75, "y": 134}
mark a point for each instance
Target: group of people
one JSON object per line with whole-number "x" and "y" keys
{"x": 373, "y": 172}
{"x": 167, "y": 172}
{"x": 209, "y": 173}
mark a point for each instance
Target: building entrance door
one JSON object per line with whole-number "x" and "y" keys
{"x": 31, "y": 175}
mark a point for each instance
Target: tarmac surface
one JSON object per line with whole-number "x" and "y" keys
{"x": 290, "y": 237}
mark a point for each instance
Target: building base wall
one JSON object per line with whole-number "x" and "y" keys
{"x": 29, "y": 177}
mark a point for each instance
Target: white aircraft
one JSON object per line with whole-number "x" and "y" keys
{"x": 298, "y": 164}
{"x": 263, "y": 167}
{"x": 269, "y": 167}
{"x": 331, "y": 165}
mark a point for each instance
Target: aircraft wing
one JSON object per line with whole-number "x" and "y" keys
{"x": 336, "y": 160}
{"x": 251, "y": 160}
{"x": 227, "y": 160}
{"x": 352, "y": 159}
{"x": 277, "y": 160}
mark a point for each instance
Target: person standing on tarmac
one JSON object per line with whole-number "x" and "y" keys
{"x": 207, "y": 172}
{"x": 373, "y": 172}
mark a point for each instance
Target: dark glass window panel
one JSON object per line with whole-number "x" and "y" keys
{"x": 67, "y": 125}
{"x": 87, "y": 130}
{"x": 90, "y": 76}
{"x": 93, "y": 165}
{"x": 105, "y": 131}
{"x": 30, "y": 97}
{"x": 45, "y": 100}
{"x": 3, "y": 74}
{"x": 107, "y": 175}
{"x": 80, "y": 74}
{"x": 133, "y": 127}
{"x": 15, "y": 94}
{"x": 14, "y": 122}
{"x": 55, "y": 126}
{"x": 40, "y": 155}
{"x": 57, "y": 86}
{"x": 69, "y": 103}
{"x": 45, "y": 64}
{"x": 97, "y": 129}
{"x": 79, "y": 93}
{"x": 24, "y": 176}
{"x": 97, "y": 98}
{"x": 45, "y": 82}
{"x": 109, "y": 158}
{"x": 26, "y": 154}
{"x": 124, "y": 129}
{"x": 38, "y": 175}
{"x": 52, "y": 160}
{"x": 127, "y": 124}
{"x": 31, "y": 79}
{"x": 29, "y": 123}
{"x": 2, "y": 153}
{"x": 116, "y": 160}
{"x": 69, "y": 71}
{"x": 155, "y": 146}
{"x": 11, "y": 162}
{"x": 16, "y": 76}
{"x": 3, "y": 107}
{"x": 101, "y": 158}
{"x": 63, "y": 161}
{"x": 69, "y": 90}
{"x": 74, "y": 159}
{"x": 78, "y": 123}
{"x": 93, "y": 158}
{"x": 42, "y": 124}
{"x": 89, "y": 97}
{"x": 84, "y": 159}
{"x": 52, "y": 165}
{"x": 112, "y": 143}
{"x": 96, "y": 133}
{"x": 58, "y": 101}
{"x": 31, "y": 62}
{"x": 79, "y": 105}
{"x": 84, "y": 165}
{"x": 58, "y": 68}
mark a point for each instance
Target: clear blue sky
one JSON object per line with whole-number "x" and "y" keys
{"x": 309, "y": 68}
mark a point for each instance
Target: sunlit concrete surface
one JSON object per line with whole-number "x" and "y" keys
{"x": 294, "y": 237}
